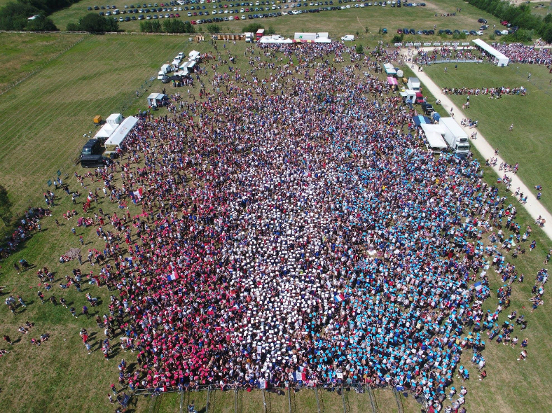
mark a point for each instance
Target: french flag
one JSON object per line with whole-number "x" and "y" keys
{"x": 339, "y": 297}
{"x": 173, "y": 276}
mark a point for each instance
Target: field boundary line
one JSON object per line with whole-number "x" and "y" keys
{"x": 41, "y": 67}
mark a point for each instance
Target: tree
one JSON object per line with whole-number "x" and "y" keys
{"x": 188, "y": 28}
{"x": 253, "y": 27}
{"x": 359, "y": 49}
{"x": 547, "y": 33}
{"x": 213, "y": 28}
{"x": 13, "y": 16}
{"x": 398, "y": 38}
{"x": 41, "y": 24}
{"x": 95, "y": 23}
{"x": 5, "y": 206}
{"x": 72, "y": 27}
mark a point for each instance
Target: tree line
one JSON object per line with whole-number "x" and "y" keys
{"x": 520, "y": 16}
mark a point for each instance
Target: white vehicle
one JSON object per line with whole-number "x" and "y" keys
{"x": 348, "y": 38}
{"x": 455, "y": 136}
{"x": 413, "y": 84}
{"x": 504, "y": 32}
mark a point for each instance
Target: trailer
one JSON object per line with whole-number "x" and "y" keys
{"x": 455, "y": 136}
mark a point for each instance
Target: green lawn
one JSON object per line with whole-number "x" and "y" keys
{"x": 45, "y": 117}
{"x": 25, "y": 53}
{"x": 529, "y": 143}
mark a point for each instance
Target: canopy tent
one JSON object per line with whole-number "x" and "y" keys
{"x": 194, "y": 55}
{"x": 499, "y": 58}
{"x": 275, "y": 39}
{"x": 392, "y": 80}
{"x": 120, "y": 134}
{"x": 420, "y": 120}
{"x": 106, "y": 131}
{"x": 156, "y": 99}
{"x": 389, "y": 69}
{"x": 434, "y": 135}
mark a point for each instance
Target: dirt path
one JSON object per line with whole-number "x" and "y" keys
{"x": 533, "y": 206}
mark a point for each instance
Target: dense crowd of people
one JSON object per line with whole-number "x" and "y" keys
{"x": 520, "y": 53}
{"x": 292, "y": 231}
{"x": 492, "y": 92}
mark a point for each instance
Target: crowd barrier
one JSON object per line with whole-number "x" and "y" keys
{"x": 341, "y": 389}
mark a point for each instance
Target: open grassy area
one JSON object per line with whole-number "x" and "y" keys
{"x": 25, "y": 53}
{"x": 45, "y": 117}
{"x": 529, "y": 143}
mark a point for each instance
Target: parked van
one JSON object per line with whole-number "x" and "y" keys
{"x": 92, "y": 147}
{"x": 94, "y": 161}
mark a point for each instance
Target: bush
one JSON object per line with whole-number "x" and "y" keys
{"x": 360, "y": 49}
{"x": 253, "y": 27}
{"x": 41, "y": 24}
{"x": 174, "y": 26}
{"x": 270, "y": 30}
{"x": 213, "y": 28}
{"x": 94, "y": 23}
{"x": 521, "y": 36}
{"x": 150, "y": 26}
{"x": 398, "y": 38}
{"x": 458, "y": 36}
{"x": 188, "y": 28}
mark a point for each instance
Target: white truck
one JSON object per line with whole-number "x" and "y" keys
{"x": 166, "y": 68}
{"x": 413, "y": 84}
{"x": 455, "y": 136}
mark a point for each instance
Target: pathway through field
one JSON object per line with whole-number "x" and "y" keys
{"x": 533, "y": 206}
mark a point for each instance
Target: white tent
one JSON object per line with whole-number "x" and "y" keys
{"x": 155, "y": 99}
{"x": 120, "y": 134}
{"x": 194, "y": 55}
{"x": 106, "y": 131}
{"x": 275, "y": 39}
{"x": 434, "y": 135}
{"x": 111, "y": 124}
{"x": 389, "y": 69}
{"x": 114, "y": 119}
{"x": 499, "y": 58}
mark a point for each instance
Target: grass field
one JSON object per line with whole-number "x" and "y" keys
{"x": 529, "y": 142}
{"x": 304, "y": 400}
{"x": 337, "y": 23}
{"x": 41, "y": 131}
{"x": 23, "y": 54}
{"x": 57, "y": 106}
